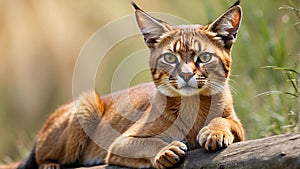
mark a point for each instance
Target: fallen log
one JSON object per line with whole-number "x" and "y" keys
{"x": 276, "y": 152}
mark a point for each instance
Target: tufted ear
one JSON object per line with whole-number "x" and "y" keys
{"x": 150, "y": 27}
{"x": 227, "y": 25}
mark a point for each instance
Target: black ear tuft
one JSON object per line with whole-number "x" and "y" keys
{"x": 238, "y": 2}
{"x": 135, "y": 6}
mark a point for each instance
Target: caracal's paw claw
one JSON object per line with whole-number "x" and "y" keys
{"x": 50, "y": 166}
{"x": 214, "y": 139}
{"x": 170, "y": 155}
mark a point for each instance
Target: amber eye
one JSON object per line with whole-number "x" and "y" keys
{"x": 170, "y": 58}
{"x": 204, "y": 57}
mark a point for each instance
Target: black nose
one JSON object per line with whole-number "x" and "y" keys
{"x": 186, "y": 76}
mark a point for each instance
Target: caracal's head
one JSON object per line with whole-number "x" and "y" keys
{"x": 190, "y": 59}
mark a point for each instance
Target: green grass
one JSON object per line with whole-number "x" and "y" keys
{"x": 268, "y": 89}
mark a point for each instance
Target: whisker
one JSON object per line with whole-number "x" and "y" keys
{"x": 234, "y": 82}
{"x": 234, "y": 89}
{"x": 216, "y": 86}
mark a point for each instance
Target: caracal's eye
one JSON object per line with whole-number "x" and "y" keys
{"x": 204, "y": 57}
{"x": 170, "y": 58}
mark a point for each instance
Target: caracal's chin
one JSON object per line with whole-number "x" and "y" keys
{"x": 188, "y": 91}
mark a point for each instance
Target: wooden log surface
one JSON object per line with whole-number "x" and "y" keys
{"x": 276, "y": 152}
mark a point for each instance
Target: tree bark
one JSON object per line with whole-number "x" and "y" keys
{"x": 276, "y": 152}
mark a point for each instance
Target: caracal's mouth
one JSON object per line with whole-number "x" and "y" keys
{"x": 197, "y": 84}
{"x": 188, "y": 90}
{"x": 180, "y": 88}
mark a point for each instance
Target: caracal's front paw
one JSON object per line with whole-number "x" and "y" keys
{"x": 214, "y": 138}
{"x": 50, "y": 166}
{"x": 169, "y": 155}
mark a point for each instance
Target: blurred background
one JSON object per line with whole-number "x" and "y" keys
{"x": 41, "y": 40}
